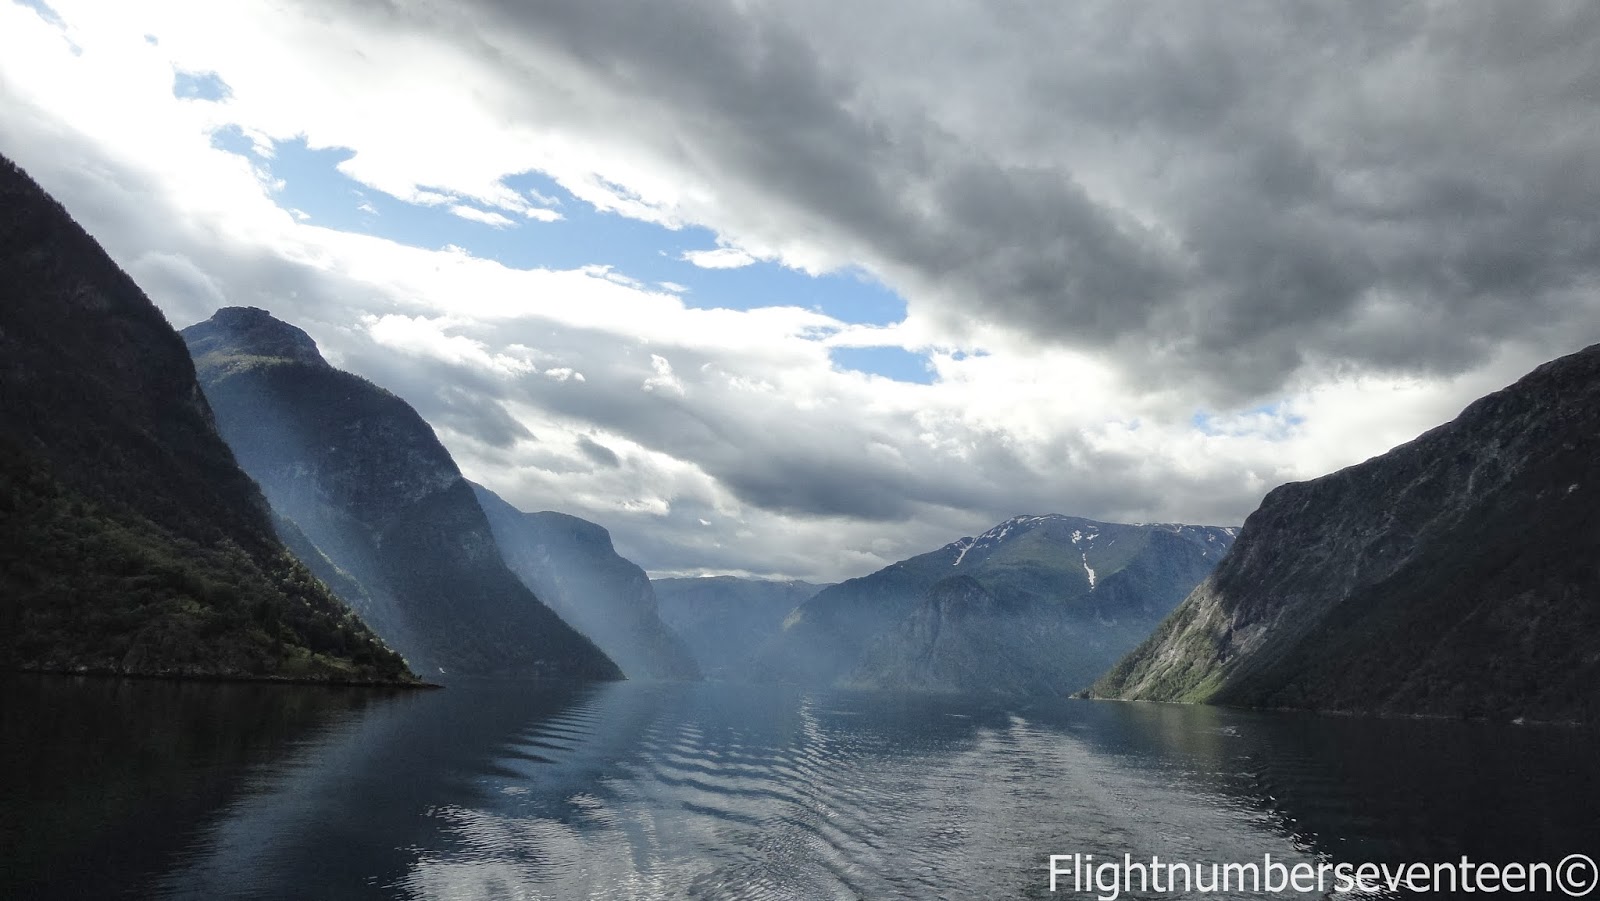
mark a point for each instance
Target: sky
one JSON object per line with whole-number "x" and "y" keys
{"x": 800, "y": 289}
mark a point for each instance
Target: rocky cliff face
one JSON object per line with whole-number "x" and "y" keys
{"x": 571, "y": 565}
{"x": 724, "y": 619}
{"x": 130, "y": 541}
{"x": 1456, "y": 574}
{"x": 1085, "y": 592}
{"x": 365, "y": 481}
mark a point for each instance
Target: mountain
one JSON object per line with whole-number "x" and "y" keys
{"x": 130, "y": 541}
{"x": 1457, "y": 574}
{"x": 570, "y": 564}
{"x": 1084, "y": 591}
{"x": 370, "y": 496}
{"x": 960, "y": 637}
{"x": 723, "y": 619}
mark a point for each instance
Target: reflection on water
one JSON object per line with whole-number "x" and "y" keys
{"x": 1396, "y": 789}
{"x": 101, "y": 779}
{"x": 718, "y": 791}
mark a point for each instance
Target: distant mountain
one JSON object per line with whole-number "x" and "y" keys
{"x": 1084, "y": 592}
{"x": 570, "y": 564}
{"x": 376, "y": 500}
{"x": 960, "y": 637}
{"x": 1457, "y": 574}
{"x": 723, "y": 619}
{"x": 130, "y": 541}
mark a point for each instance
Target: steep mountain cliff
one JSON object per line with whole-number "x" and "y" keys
{"x": 570, "y": 564}
{"x": 130, "y": 541}
{"x": 1457, "y": 574}
{"x": 1086, "y": 591}
{"x": 723, "y": 619}
{"x": 369, "y": 486}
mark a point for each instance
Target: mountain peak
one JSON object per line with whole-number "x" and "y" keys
{"x": 236, "y": 332}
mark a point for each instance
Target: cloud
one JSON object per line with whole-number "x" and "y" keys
{"x": 664, "y": 380}
{"x": 1230, "y": 204}
{"x": 598, "y": 452}
{"x": 487, "y": 217}
{"x": 1321, "y": 231}
{"x": 421, "y": 336}
{"x": 720, "y": 258}
{"x": 184, "y": 288}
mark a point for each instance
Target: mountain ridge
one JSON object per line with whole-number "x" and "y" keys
{"x": 1453, "y": 575}
{"x": 571, "y": 564}
{"x": 723, "y": 619}
{"x": 1100, "y": 587}
{"x": 131, "y": 542}
{"x": 367, "y": 481}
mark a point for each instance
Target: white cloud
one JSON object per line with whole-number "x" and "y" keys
{"x": 664, "y": 380}
{"x": 420, "y": 336}
{"x": 720, "y": 258}
{"x": 746, "y": 451}
{"x": 500, "y": 220}
{"x": 473, "y": 214}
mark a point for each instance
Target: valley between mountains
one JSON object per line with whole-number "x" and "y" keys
{"x": 222, "y": 502}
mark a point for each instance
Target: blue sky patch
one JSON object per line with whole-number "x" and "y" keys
{"x": 45, "y": 12}
{"x": 313, "y": 186}
{"x": 200, "y": 86}
{"x": 1207, "y": 423}
{"x": 891, "y": 362}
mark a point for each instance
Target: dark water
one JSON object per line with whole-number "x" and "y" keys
{"x": 149, "y": 789}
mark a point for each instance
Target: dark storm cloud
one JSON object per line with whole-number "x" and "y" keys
{"x": 1231, "y": 192}
{"x": 1222, "y": 201}
{"x": 598, "y": 452}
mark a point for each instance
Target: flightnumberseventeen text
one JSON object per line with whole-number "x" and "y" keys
{"x": 1573, "y": 876}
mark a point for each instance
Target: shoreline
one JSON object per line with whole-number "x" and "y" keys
{"x": 237, "y": 678}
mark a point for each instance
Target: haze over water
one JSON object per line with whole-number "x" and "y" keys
{"x": 505, "y": 790}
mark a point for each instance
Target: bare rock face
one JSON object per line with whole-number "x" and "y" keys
{"x": 571, "y": 565}
{"x": 1458, "y": 574}
{"x": 1074, "y": 595}
{"x": 367, "y": 485}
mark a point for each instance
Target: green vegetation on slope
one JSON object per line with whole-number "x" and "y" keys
{"x": 130, "y": 542}
{"x": 93, "y": 591}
